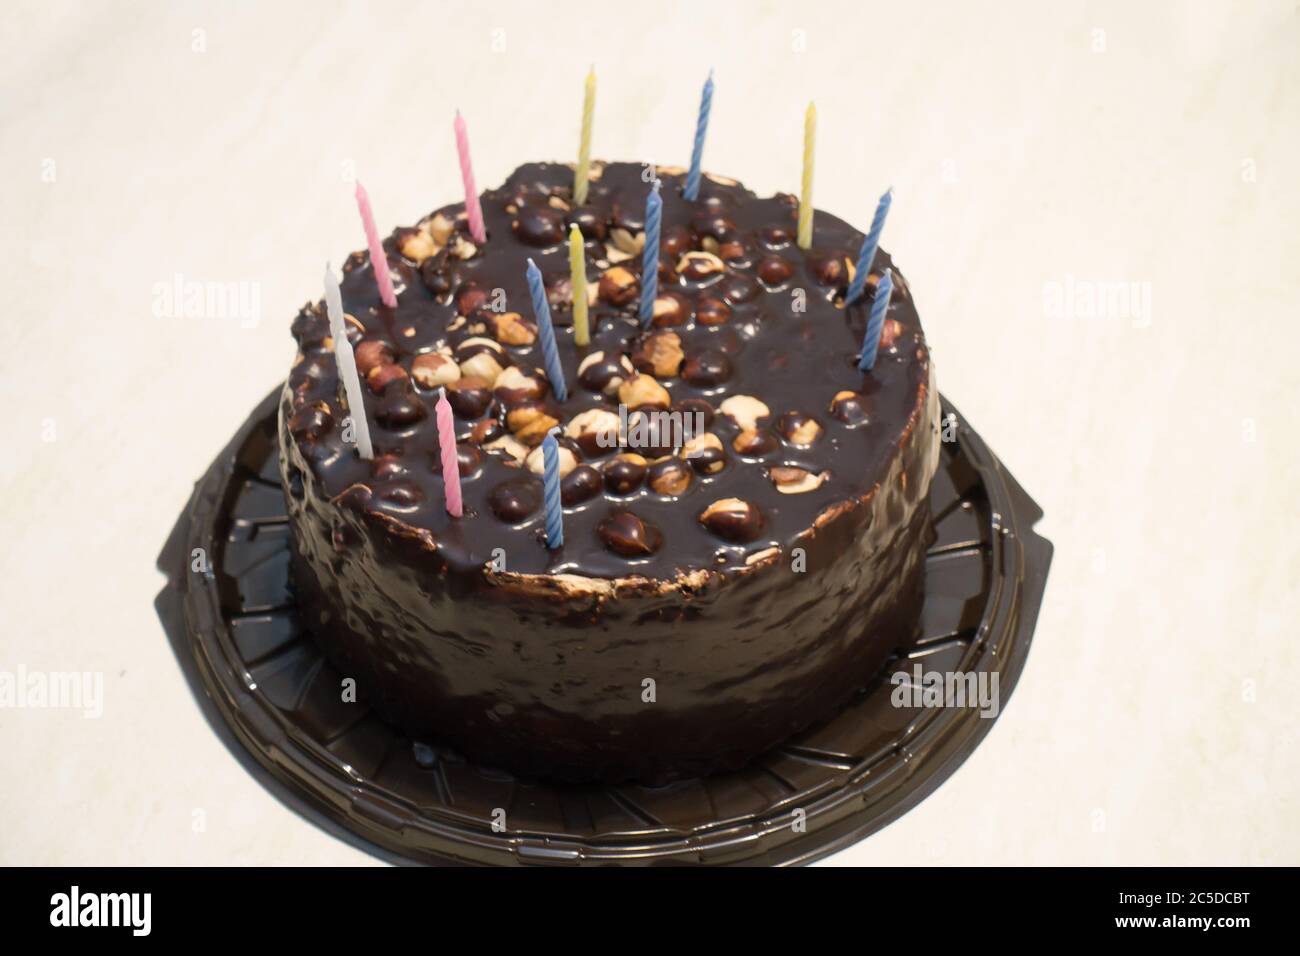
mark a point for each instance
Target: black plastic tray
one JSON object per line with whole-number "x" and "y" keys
{"x": 275, "y": 701}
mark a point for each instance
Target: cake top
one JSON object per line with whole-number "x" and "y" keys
{"x": 713, "y": 439}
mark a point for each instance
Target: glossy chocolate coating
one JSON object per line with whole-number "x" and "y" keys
{"x": 541, "y": 665}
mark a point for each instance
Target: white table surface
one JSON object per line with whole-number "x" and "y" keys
{"x": 1031, "y": 145}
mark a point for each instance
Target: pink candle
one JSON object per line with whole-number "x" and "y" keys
{"x": 472, "y": 207}
{"x": 378, "y": 258}
{"x": 447, "y": 450}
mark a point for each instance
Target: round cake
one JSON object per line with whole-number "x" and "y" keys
{"x": 745, "y": 512}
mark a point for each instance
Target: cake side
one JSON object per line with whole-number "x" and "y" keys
{"x": 750, "y": 624}
{"x": 547, "y": 679}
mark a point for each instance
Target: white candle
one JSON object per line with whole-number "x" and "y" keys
{"x": 347, "y": 365}
{"x": 333, "y": 303}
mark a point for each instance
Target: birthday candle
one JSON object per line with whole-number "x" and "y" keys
{"x": 346, "y": 362}
{"x": 472, "y": 208}
{"x": 542, "y": 310}
{"x": 692, "y": 191}
{"x": 333, "y": 304}
{"x": 551, "y": 492}
{"x": 447, "y": 452}
{"x": 578, "y": 275}
{"x": 876, "y": 321}
{"x": 584, "y": 146}
{"x": 654, "y": 208}
{"x": 805, "y": 194}
{"x": 869, "y": 245}
{"x": 378, "y": 258}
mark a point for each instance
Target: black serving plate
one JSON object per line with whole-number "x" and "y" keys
{"x": 275, "y": 700}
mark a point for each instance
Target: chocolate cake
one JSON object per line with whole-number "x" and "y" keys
{"x": 716, "y": 591}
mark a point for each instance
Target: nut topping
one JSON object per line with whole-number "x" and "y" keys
{"x": 754, "y": 442}
{"x": 595, "y": 430}
{"x": 705, "y": 454}
{"x": 533, "y": 433}
{"x": 660, "y": 354}
{"x": 311, "y": 422}
{"x": 507, "y": 446}
{"x": 432, "y": 370}
{"x": 481, "y": 365}
{"x": 371, "y": 353}
{"x": 469, "y": 396}
{"x": 462, "y": 248}
{"x": 669, "y": 310}
{"x": 699, "y": 266}
{"x": 643, "y": 390}
{"x": 511, "y": 328}
{"x": 514, "y": 385}
{"x": 627, "y": 243}
{"x": 516, "y": 499}
{"x": 417, "y": 245}
{"x": 440, "y": 228}
{"x": 890, "y": 332}
{"x": 733, "y": 520}
{"x": 579, "y": 485}
{"x": 535, "y": 463}
{"x": 476, "y": 344}
{"x": 559, "y": 293}
{"x": 604, "y": 372}
{"x": 489, "y": 429}
{"x": 539, "y": 225}
{"x": 669, "y": 477}
{"x": 626, "y": 534}
{"x": 775, "y": 270}
{"x": 849, "y": 407}
{"x": 624, "y": 473}
{"x": 381, "y": 376}
{"x": 799, "y": 429}
{"x": 617, "y": 286}
{"x": 701, "y": 442}
{"x": 795, "y": 481}
{"x": 712, "y": 311}
{"x": 468, "y": 459}
{"x": 470, "y": 297}
{"x": 674, "y": 240}
{"x": 735, "y": 252}
{"x": 744, "y": 410}
{"x": 707, "y": 368}
{"x": 525, "y": 414}
{"x": 699, "y": 409}
{"x": 398, "y": 410}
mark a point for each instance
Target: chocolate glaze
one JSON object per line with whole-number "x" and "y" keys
{"x": 540, "y": 666}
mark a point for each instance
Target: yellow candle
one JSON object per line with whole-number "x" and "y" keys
{"x": 584, "y": 146}
{"x": 805, "y": 195}
{"x": 578, "y": 273}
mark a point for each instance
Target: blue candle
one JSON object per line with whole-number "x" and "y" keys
{"x": 869, "y": 245}
{"x": 542, "y": 310}
{"x": 551, "y": 492}
{"x": 654, "y": 209}
{"x": 692, "y": 191}
{"x": 876, "y": 321}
